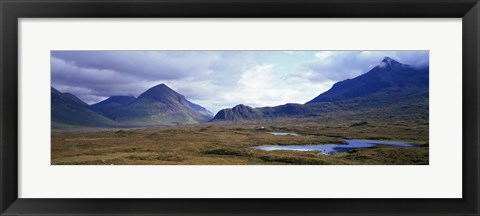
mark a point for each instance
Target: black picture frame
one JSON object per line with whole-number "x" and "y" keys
{"x": 12, "y": 10}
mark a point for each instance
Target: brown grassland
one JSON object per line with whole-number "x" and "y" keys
{"x": 231, "y": 144}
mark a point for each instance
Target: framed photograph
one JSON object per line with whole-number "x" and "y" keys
{"x": 239, "y": 107}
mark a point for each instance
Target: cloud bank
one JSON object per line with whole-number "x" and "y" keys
{"x": 216, "y": 79}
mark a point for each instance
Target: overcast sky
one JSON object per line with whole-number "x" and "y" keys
{"x": 216, "y": 79}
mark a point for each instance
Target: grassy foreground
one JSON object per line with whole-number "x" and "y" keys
{"x": 230, "y": 144}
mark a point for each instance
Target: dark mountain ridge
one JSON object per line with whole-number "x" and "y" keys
{"x": 389, "y": 84}
{"x": 67, "y": 109}
{"x": 159, "y": 105}
{"x": 111, "y": 103}
{"x": 239, "y": 112}
{"x": 388, "y": 74}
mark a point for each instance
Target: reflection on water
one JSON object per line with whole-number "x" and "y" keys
{"x": 284, "y": 134}
{"x": 332, "y": 148}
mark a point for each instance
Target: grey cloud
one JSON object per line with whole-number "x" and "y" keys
{"x": 341, "y": 65}
{"x": 209, "y": 78}
{"x": 106, "y": 73}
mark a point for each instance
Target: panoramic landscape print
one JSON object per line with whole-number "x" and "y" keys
{"x": 240, "y": 107}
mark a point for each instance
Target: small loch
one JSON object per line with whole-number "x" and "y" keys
{"x": 332, "y": 148}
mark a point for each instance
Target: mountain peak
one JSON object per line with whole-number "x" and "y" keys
{"x": 388, "y": 74}
{"x": 239, "y": 106}
{"x": 237, "y": 113}
{"x": 161, "y": 105}
{"x": 161, "y": 86}
{"x": 387, "y": 59}
{"x": 389, "y": 62}
{"x": 159, "y": 91}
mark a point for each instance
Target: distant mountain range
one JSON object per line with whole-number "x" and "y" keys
{"x": 387, "y": 84}
{"x": 159, "y": 105}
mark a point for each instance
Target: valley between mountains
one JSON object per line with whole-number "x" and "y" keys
{"x": 389, "y": 103}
